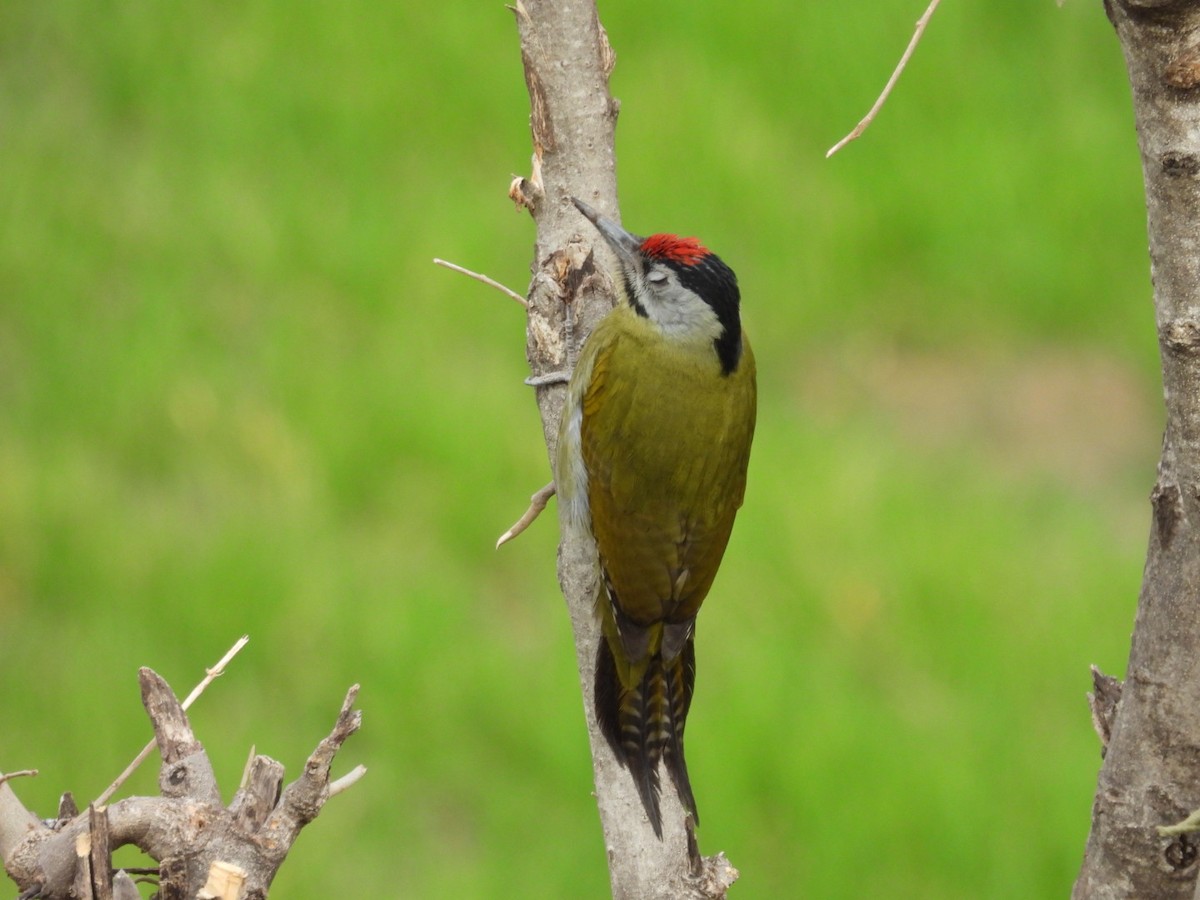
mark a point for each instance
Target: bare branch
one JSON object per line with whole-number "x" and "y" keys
{"x": 536, "y": 504}
{"x": 210, "y": 676}
{"x": 488, "y": 281}
{"x": 891, "y": 83}
{"x": 304, "y": 797}
{"x": 216, "y": 671}
{"x": 347, "y": 781}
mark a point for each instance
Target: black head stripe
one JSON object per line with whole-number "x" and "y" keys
{"x": 632, "y": 294}
{"x": 717, "y": 285}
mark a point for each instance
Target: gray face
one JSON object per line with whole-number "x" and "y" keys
{"x": 656, "y": 292}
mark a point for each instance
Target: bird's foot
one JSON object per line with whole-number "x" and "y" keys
{"x": 547, "y": 378}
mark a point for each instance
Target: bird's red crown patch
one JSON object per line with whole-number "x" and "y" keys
{"x": 685, "y": 251}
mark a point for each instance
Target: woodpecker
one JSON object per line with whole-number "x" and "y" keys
{"x": 652, "y": 456}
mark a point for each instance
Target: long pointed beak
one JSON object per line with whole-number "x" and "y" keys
{"x": 625, "y": 245}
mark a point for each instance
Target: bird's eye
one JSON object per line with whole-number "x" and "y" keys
{"x": 658, "y": 277}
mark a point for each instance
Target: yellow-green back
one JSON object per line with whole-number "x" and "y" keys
{"x": 665, "y": 440}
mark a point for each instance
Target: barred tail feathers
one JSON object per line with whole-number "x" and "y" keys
{"x": 680, "y": 677}
{"x": 644, "y": 723}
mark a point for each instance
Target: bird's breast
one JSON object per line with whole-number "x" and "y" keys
{"x": 663, "y": 442}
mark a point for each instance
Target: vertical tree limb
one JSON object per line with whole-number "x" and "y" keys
{"x": 567, "y": 61}
{"x": 1151, "y": 770}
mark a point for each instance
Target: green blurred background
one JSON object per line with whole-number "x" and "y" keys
{"x": 236, "y": 396}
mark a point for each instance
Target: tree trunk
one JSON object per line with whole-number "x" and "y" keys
{"x": 567, "y": 61}
{"x": 1151, "y": 770}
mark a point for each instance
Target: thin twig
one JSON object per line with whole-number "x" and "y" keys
{"x": 519, "y": 9}
{"x": 497, "y": 285}
{"x": 887, "y": 88}
{"x": 210, "y": 676}
{"x": 536, "y": 504}
{"x": 20, "y": 773}
{"x": 347, "y": 780}
{"x": 1187, "y": 826}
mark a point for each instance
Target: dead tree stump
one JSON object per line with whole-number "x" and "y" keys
{"x": 204, "y": 850}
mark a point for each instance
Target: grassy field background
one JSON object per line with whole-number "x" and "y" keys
{"x": 237, "y": 397}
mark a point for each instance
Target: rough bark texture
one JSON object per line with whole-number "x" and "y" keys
{"x": 1151, "y": 770}
{"x": 206, "y": 851}
{"x": 567, "y": 61}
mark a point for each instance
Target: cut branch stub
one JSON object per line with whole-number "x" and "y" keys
{"x": 258, "y": 794}
{"x": 1103, "y": 701}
